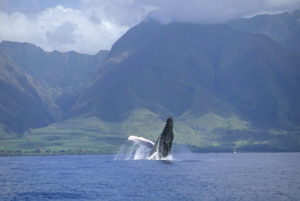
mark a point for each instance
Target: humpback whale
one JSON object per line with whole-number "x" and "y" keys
{"x": 162, "y": 146}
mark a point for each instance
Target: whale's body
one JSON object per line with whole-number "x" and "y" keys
{"x": 162, "y": 146}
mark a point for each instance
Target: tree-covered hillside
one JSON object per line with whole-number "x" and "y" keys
{"x": 228, "y": 87}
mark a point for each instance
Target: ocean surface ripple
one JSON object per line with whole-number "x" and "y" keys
{"x": 190, "y": 176}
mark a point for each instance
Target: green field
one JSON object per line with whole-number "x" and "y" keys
{"x": 84, "y": 135}
{"x": 90, "y": 135}
{"x": 62, "y": 139}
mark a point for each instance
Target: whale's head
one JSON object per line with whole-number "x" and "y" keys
{"x": 169, "y": 123}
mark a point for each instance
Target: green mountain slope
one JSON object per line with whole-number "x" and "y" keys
{"x": 226, "y": 88}
{"x": 190, "y": 68}
{"x": 23, "y": 103}
{"x": 63, "y": 75}
{"x": 283, "y": 27}
{"x": 206, "y": 133}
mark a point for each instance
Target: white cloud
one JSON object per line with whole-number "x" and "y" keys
{"x": 128, "y": 12}
{"x": 62, "y": 29}
{"x": 199, "y": 11}
{"x": 96, "y": 24}
{"x": 216, "y": 11}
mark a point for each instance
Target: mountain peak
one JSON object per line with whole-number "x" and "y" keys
{"x": 181, "y": 67}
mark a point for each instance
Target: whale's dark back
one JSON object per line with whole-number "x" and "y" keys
{"x": 164, "y": 141}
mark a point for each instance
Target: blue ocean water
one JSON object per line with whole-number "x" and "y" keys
{"x": 212, "y": 176}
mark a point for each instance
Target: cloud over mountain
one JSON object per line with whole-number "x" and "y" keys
{"x": 60, "y": 28}
{"x": 88, "y": 25}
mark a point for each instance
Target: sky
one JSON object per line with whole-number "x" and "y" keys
{"x": 87, "y": 26}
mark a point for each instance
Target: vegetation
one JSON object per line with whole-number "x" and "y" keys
{"x": 90, "y": 135}
{"x": 227, "y": 88}
{"x": 198, "y": 69}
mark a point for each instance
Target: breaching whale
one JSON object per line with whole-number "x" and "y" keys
{"x": 162, "y": 146}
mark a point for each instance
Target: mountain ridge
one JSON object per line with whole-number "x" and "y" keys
{"x": 63, "y": 75}
{"x": 210, "y": 62}
{"x": 282, "y": 27}
{"x": 226, "y": 88}
{"x": 23, "y": 103}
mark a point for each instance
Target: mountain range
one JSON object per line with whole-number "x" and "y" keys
{"x": 231, "y": 85}
{"x": 24, "y": 104}
{"x": 283, "y": 27}
{"x": 62, "y": 75}
{"x": 178, "y": 68}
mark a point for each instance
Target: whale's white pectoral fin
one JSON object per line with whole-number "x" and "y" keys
{"x": 142, "y": 141}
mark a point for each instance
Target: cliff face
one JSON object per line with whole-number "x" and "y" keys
{"x": 23, "y": 103}
{"x": 197, "y": 69}
{"x": 62, "y": 75}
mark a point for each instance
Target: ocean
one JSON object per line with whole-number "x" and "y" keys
{"x": 188, "y": 176}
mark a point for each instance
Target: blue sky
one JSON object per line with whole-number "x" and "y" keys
{"x": 88, "y": 26}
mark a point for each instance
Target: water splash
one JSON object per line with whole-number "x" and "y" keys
{"x": 135, "y": 150}
{"x": 132, "y": 151}
{"x": 157, "y": 156}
